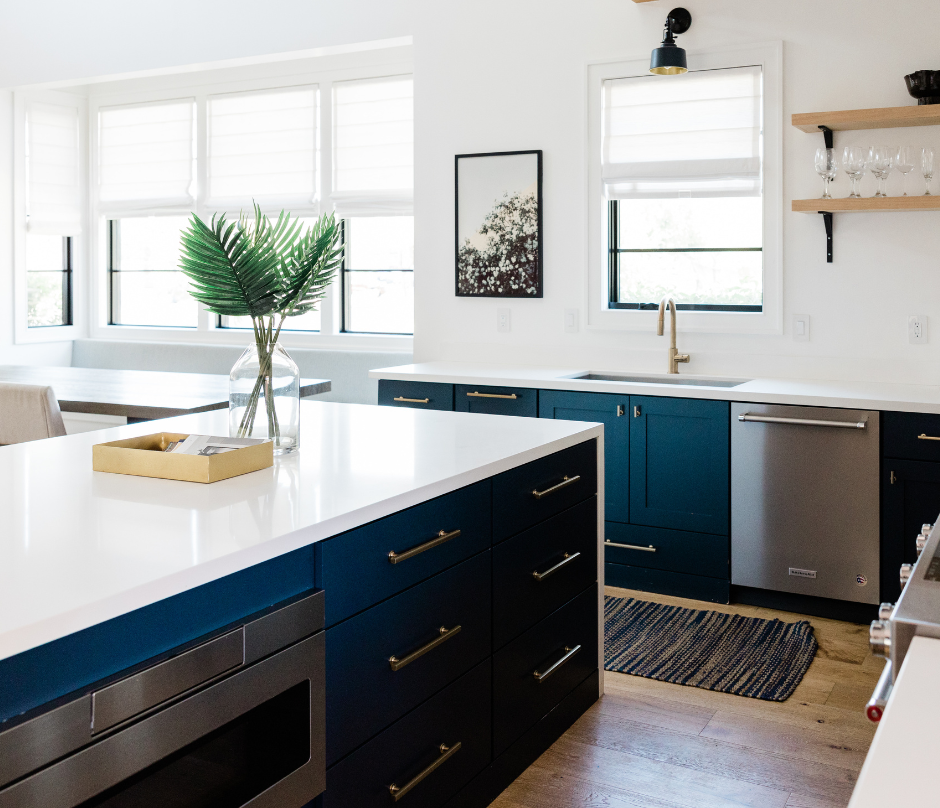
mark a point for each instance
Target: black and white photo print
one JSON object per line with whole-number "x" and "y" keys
{"x": 499, "y": 224}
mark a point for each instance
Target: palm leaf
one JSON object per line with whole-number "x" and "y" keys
{"x": 310, "y": 267}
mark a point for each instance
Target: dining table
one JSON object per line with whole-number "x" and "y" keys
{"x": 138, "y": 395}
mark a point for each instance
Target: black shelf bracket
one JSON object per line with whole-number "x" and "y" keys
{"x": 827, "y": 220}
{"x": 827, "y": 136}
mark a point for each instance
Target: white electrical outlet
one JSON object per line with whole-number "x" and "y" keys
{"x": 503, "y": 321}
{"x": 801, "y": 327}
{"x": 571, "y": 321}
{"x": 917, "y": 329}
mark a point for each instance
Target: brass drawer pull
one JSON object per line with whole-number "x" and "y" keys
{"x": 412, "y": 400}
{"x": 446, "y": 752}
{"x": 649, "y": 549}
{"x": 440, "y": 538}
{"x": 922, "y": 436}
{"x": 566, "y": 481}
{"x": 541, "y": 576}
{"x": 511, "y": 396}
{"x": 445, "y": 634}
{"x": 569, "y": 652}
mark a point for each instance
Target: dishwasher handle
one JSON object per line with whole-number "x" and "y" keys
{"x": 772, "y": 419}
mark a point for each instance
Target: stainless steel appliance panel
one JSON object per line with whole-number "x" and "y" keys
{"x": 805, "y": 500}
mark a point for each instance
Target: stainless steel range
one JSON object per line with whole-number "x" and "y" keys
{"x": 917, "y": 613}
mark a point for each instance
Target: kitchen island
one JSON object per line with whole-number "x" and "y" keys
{"x": 102, "y": 573}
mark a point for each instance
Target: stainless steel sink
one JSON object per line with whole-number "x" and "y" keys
{"x": 663, "y": 379}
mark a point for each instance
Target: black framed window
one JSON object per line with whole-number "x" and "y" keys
{"x": 146, "y": 287}
{"x": 378, "y": 275}
{"x": 48, "y": 281}
{"x": 706, "y": 253}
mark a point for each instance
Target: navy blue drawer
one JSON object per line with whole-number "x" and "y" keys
{"x": 519, "y": 698}
{"x": 525, "y": 496}
{"x": 666, "y": 582}
{"x": 458, "y": 714}
{"x": 355, "y": 567}
{"x": 564, "y": 546}
{"x": 421, "y": 395}
{"x": 496, "y": 400}
{"x": 675, "y": 550}
{"x": 363, "y": 693}
{"x": 902, "y": 435}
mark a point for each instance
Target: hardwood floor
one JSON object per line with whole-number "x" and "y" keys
{"x": 649, "y": 744}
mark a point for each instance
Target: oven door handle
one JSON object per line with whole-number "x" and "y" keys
{"x": 879, "y": 699}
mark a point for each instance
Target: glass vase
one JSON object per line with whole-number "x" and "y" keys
{"x": 264, "y": 397}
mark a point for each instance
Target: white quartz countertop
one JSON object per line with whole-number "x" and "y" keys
{"x": 854, "y": 395}
{"x": 899, "y": 767}
{"x": 79, "y": 547}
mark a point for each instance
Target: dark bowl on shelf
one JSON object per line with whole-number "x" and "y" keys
{"x": 924, "y": 85}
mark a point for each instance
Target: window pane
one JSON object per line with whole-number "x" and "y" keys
{"x": 380, "y": 302}
{"x": 305, "y": 322}
{"x": 47, "y": 287}
{"x": 380, "y": 242}
{"x": 147, "y": 286}
{"x": 153, "y": 298}
{"x": 715, "y": 278}
{"x": 664, "y": 223}
{"x": 45, "y": 298}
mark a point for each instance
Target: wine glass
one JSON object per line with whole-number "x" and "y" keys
{"x": 827, "y": 168}
{"x": 904, "y": 162}
{"x": 926, "y": 164}
{"x": 853, "y": 163}
{"x": 880, "y": 159}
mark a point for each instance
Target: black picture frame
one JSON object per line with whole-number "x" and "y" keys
{"x": 499, "y": 282}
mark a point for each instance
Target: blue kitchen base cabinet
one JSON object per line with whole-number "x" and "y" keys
{"x": 520, "y": 401}
{"x": 450, "y": 666}
{"x": 417, "y": 395}
{"x": 667, "y": 475}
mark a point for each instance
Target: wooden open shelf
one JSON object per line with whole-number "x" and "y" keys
{"x": 866, "y": 204}
{"x": 883, "y": 118}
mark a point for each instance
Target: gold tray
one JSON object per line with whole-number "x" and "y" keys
{"x": 144, "y": 457}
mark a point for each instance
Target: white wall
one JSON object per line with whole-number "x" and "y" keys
{"x": 494, "y": 75}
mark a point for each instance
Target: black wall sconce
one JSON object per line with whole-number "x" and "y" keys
{"x": 669, "y": 59}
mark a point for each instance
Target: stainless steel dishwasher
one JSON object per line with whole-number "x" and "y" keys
{"x": 804, "y": 500}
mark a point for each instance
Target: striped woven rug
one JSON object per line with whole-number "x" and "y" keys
{"x": 747, "y": 656}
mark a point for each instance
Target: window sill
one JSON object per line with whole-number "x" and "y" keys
{"x": 53, "y": 333}
{"x": 767, "y": 321}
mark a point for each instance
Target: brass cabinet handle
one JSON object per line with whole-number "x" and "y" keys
{"x": 922, "y": 436}
{"x": 445, "y": 634}
{"x": 446, "y": 751}
{"x": 566, "y": 481}
{"x": 440, "y": 538}
{"x": 412, "y": 400}
{"x": 541, "y": 576}
{"x": 569, "y": 652}
{"x": 649, "y": 549}
{"x": 512, "y": 396}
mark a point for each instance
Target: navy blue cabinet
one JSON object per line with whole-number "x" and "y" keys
{"x": 520, "y": 401}
{"x": 680, "y": 466}
{"x": 418, "y": 395}
{"x": 612, "y": 411}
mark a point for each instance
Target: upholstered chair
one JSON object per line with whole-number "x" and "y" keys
{"x": 28, "y": 412}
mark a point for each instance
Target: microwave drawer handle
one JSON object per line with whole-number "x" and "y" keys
{"x": 412, "y": 400}
{"x": 923, "y": 436}
{"x": 511, "y": 396}
{"x": 442, "y": 537}
{"x": 566, "y": 481}
{"x": 770, "y": 419}
{"x": 151, "y": 687}
{"x": 648, "y": 549}
{"x": 541, "y": 676}
{"x": 569, "y": 557}
{"x": 444, "y": 635}
{"x": 446, "y": 752}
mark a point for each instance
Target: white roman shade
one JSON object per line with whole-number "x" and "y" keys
{"x": 53, "y": 200}
{"x": 146, "y": 156}
{"x": 373, "y": 147}
{"x": 263, "y": 147}
{"x": 698, "y": 135}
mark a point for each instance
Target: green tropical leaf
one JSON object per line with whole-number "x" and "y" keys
{"x": 310, "y": 267}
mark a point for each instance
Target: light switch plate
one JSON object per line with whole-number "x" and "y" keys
{"x": 571, "y": 321}
{"x": 917, "y": 329}
{"x": 801, "y": 327}
{"x": 503, "y": 321}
